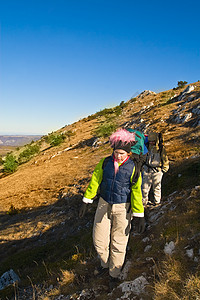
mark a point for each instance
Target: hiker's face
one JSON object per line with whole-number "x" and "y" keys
{"x": 120, "y": 155}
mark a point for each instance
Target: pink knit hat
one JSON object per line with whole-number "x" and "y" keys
{"x": 122, "y": 139}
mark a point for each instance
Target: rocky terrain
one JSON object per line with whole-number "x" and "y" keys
{"x": 50, "y": 248}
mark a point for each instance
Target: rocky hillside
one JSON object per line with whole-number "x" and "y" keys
{"x": 50, "y": 249}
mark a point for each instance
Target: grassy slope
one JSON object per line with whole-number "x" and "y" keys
{"x": 46, "y": 236}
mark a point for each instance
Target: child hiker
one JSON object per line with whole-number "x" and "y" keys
{"x": 119, "y": 201}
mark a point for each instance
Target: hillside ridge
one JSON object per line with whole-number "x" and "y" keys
{"x": 45, "y": 193}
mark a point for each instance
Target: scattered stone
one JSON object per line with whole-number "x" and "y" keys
{"x": 186, "y": 117}
{"x": 173, "y": 97}
{"x": 147, "y": 248}
{"x": 146, "y": 239}
{"x": 136, "y": 286}
{"x": 153, "y": 217}
{"x": 188, "y": 90}
{"x": 170, "y": 197}
{"x": 190, "y": 253}
{"x": 96, "y": 143}
{"x": 146, "y": 93}
{"x": 8, "y": 278}
{"x": 169, "y": 248}
{"x": 191, "y": 98}
{"x": 149, "y": 259}
{"x": 196, "y": 110}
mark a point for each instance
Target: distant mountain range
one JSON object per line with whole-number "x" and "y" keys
{"x": 17, "y": 140}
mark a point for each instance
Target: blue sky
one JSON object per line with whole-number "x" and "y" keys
{"x": 63, "y": 60}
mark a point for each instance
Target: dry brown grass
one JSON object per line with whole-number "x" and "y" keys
{"x": 67, "y": 277}
{"x": 35, "y": 189}
{"x": 175, "y": 283}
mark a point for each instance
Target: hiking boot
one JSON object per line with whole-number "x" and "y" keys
{"x": 113, "y": 283}
{"x": 150, "y": 203}
{"x": 100, "y": 271}
{"x": 157, "y": 204}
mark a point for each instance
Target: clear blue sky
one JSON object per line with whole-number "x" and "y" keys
{"x": 62, "y": 60}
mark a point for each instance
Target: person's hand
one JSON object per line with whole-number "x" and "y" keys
{"x": 141, "y": 225}
{"x": 82, "y": 210}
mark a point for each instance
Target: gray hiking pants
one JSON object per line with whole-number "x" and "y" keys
{"x": 110, "y": 234}
{"x": 151, "y": 179}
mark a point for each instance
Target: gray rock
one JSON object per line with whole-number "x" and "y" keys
{"x": 190, "y": 253}
{"x": 169, "y": 248}
{"x": 186, "y": 117}
{"x": 147, "y": 248}
{"x": 188, "y": 90}
{"x": 196, "y": 110}
{"x": 146, "y": 239}
{"x": 136, "y": 286}
{"x": 8, "y": 278}
{"x": 146, "y": 93}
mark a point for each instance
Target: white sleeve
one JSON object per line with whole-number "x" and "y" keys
{"x": 86, "y": 200}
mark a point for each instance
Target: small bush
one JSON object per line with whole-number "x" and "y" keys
{"x": 116, "y": 111}
{"x": 180, "y": 84}
{"x": 55, "y": 139}
{"x": 10, "y": 164}
{"x": 105, "y": 129}
{"x": 28, "y": 153}
{"x": 105, "y": 112}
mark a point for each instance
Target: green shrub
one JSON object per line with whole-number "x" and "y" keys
{"x": 105, "y": 129}
{"x": 10, "y": 164}
{"x": 180, "y": 84}
{"x": 108, "y": 113}
{"x": 28, "y": 153}
{"x": 55, "y": 139}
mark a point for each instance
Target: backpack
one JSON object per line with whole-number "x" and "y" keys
{"x": 138, "y": 148}
{"x": 139, "y": 153}
{"x": 160, "y": 146}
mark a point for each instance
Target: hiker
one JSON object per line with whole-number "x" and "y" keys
{"x": 156, "y": 164}
{"x": 119, "y": 201}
